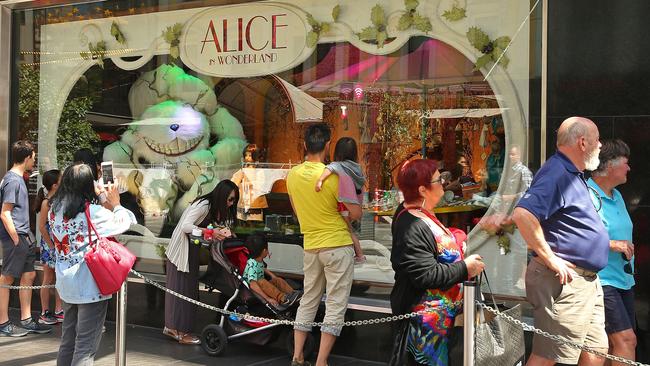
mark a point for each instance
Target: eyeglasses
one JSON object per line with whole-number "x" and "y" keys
{"x": 440, "y": 180}
{"x": 596, "y": 199}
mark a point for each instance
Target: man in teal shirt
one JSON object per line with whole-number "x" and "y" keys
{"x": 617, "y": 278}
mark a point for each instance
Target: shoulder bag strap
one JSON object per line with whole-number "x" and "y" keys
{"x": 489, "y": 288}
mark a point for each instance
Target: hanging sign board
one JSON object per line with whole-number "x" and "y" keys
{"x": 244, "y": 40}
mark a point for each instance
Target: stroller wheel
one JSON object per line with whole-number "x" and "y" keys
{"x": 308, "y": 349}
{"x": 214, "y": 340}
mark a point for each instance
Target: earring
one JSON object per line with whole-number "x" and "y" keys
{"x": 423, "y": 201}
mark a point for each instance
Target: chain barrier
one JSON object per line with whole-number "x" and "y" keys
{"x": 27, "y": 287}
{"x": 354, "y": 323}
{"x": 558, "y": 339}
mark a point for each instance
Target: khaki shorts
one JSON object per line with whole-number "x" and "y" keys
{"x": 574, "y": 311}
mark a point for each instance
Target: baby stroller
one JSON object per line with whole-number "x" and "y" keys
{"x": 228, "y": 260}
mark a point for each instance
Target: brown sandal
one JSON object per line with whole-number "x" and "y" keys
{"x": 187, "y": 338}
{"x": 171, "y": 333}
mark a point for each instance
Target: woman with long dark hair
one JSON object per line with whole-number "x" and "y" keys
{"x": 219, "y": 208}
{"x": 83, "y": 305}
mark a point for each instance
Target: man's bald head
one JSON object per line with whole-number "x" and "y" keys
{"x": 574, "y": 128}
{"x": 577, "y": 138}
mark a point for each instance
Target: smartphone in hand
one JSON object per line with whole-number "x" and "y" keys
{"x": 107, "y": 172}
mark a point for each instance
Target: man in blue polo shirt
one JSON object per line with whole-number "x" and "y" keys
{"x": 559, "y": 222}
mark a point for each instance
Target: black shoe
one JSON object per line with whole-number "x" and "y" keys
{"x": 32, "y": 326}
{"x": 8, "y": 329}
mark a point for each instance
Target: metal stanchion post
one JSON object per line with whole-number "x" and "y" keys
{"x": 469, "y": 316}
{"x": 120, "y": 327}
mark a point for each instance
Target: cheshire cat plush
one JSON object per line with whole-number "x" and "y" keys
{"x": 180, "y": 127}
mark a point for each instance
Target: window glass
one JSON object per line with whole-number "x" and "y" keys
{"x": 114, "y": 77}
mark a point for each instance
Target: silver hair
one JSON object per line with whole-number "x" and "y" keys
{"x": 573, "y": 133}
{"x": 602, "y": 168}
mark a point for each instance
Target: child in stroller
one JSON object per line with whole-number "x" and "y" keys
{"x": 225, "y": 274}
{"x": 275, "y": 290}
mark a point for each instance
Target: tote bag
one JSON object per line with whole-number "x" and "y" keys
{"x": 497, "y": 341}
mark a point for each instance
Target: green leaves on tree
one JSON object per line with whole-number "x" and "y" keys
{"x": 411, "y": 18}
{"x": 377, "y": 31}
{"x": 117, "y": 33}
{"x": 172, "y": 36}
{"x": 95, "y": 52}
{"x": 492, "y": 50}
{"x": 455, "y": 14}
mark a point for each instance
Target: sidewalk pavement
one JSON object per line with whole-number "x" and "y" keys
{"x": 148, "y": 346}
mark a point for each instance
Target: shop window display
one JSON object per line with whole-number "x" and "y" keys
{"x": 173, "y": 129}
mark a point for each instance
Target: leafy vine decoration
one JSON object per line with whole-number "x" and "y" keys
{"x": 95, "y": 52}
{"x": 411, "y": 18}
{"x": 172, "y": 36}
{"x": 318, "y": 28}
{"x": 455, "y": 14}
{"x": 117, "y": 33}
{"x": 492, "y": 49}
{"x": 376, "y": 33}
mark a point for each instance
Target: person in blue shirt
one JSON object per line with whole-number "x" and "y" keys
{"x": 84, "y": 306}
{"x": 617, "y": 278}
{"x": 558, "y": 221}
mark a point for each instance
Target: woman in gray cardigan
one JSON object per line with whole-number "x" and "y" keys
{"x": 219, "y": 208}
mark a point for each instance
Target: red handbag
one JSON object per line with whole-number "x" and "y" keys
{"x": 108, "y": 260}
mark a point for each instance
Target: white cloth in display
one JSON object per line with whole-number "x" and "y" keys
{"x": 262, "y": 180}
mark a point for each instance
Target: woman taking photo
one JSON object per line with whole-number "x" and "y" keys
{"x": 83, "y": 305}
{"x": 429, "y": 268}
{"x": 219, "y": 208}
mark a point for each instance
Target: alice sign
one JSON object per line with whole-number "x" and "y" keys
{"x": 244, "y": 40}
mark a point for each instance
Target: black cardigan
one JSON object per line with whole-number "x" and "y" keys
{"x": 414, "y": 258}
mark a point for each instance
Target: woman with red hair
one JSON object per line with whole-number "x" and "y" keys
{"x": 429, "y": 268}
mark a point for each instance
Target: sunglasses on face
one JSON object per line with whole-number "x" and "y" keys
{"x": 440, "y": 180}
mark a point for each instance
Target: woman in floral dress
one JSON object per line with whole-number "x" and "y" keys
{"x": 429, "y": 268}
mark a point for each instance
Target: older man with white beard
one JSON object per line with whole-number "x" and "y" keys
{"x": 559, "y": 222}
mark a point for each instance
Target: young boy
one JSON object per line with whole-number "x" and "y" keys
{"x": 275, "y": 291}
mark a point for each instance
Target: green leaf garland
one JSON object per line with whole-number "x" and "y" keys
{"x": 336, "y": 11}
{"x": 455, "y": 14}
{"x": 95, "y": 52}
{"x": 172, "y": 36}
{"x": 318, "y": 28}
{"x": 377, "y": 31}
{"x": 117, "y": 33}
{"x": 491, "y": 50}
{"x": 411, "y": 18}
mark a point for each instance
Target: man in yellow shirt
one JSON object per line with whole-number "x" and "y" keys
{"x": 329, "y": 255}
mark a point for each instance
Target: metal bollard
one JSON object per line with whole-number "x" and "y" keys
{"x": 469, "y": 316}
{"x": 120, "y": 327}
